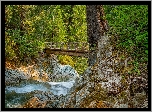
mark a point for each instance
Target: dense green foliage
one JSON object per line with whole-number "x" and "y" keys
{"x": 27, "y": 27}
{"x": 129, "y": 24}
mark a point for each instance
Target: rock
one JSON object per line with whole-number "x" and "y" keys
{"x": 34, "y": 103}
{"x": 120, "y": 105}
{"x": 61, "y": 72}
{"x": 13, "y": 77}
{"x": 145, "y": 104}
{"x": 97, "y": 104}
{"x": 139, "y": 100}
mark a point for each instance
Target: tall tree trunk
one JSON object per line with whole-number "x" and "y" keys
{"x": 22, "y": 17}
{"x": 99, "y": 42}
{"x": 96, "y": 26}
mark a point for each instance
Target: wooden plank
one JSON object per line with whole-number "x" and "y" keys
{"x": 70, "y": 46}
{"x": 65, "y": 52}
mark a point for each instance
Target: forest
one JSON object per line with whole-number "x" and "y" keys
{"x": 28, "y": 27}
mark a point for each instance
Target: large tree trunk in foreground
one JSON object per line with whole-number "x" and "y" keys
{"x": 96, "y": 26}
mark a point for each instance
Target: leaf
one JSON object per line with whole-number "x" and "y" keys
{"x": 146, "y": 51}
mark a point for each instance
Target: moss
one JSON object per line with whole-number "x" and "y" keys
{"x": 66, "y": 60}
{"x": 97, "y": 95}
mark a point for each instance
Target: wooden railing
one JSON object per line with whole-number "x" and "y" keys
{"x": 70, "y": 48}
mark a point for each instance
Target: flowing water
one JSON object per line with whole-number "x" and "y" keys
{"x": 16, "y": 95}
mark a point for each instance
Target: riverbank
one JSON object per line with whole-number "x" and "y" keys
{"x": 30, "y": 87}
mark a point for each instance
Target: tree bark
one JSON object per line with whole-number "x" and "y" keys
{"x": 22, "y": 17}
{"x": 96, "y": 26}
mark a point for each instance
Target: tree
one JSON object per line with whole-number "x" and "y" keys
{"x": 96, "y": 27}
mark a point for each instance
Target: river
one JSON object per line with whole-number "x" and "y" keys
{"x": 16, "y": 95}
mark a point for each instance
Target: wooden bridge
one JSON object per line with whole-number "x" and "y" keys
{"x": 70, "y": 48}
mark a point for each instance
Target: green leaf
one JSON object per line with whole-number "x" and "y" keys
{"x": 146, "y": 51}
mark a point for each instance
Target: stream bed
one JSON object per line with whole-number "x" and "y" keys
{"x": 16, "y": 95}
